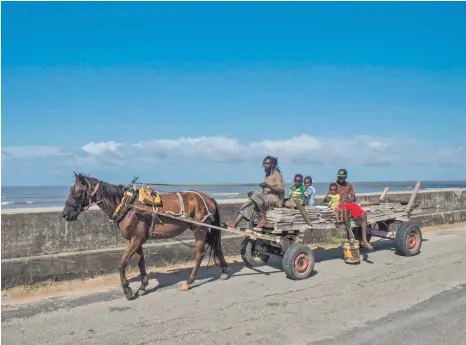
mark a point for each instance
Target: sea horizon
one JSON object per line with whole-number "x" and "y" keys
{"x": 51, "y": 196}
{"x": 233, "y": 183}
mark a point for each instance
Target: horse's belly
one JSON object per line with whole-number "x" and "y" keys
{"x": 161, "y": 231}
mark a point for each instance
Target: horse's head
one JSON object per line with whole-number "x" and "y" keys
{"x": 81, "y": 196}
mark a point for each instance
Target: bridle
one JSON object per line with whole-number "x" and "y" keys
{"x": 79, "y": 207}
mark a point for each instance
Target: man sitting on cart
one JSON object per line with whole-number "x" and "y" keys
{"x": 345, "y": 189}
{"x": 349, "y": 207}
{"x": 272, "y": 195}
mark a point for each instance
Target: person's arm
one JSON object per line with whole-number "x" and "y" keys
{"x": 306, "y": 198}
{"x": 352, "y": 192}
{"x": 312, "y": 197}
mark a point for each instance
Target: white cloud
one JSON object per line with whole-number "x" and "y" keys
{"x": 100, "y": 148}
{"x": 215, "y": 149}
{"x": 364, "y": 150}
{"x": 224, "y": 149}
{"x": 378, "y": 145}
{"x": 196, "y": 157}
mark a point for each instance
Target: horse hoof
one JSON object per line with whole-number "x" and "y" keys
{"x": 129, "y": 294}
{"x": 224, "y": 276}
{"x": 184, "y": 287}
{"x": 141, "y": 292}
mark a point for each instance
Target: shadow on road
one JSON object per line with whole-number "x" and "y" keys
{"x": 324, "y": 254}
{"x": 176, "y": 276}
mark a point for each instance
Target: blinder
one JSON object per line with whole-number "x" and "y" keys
{"x": 80, "y": 207}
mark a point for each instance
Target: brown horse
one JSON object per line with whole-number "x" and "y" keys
{"x": 135, "y": 226}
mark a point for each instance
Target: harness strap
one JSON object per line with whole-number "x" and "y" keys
{"x": 123, "y": 207}
{"x": 128, "y": 198}
{"x": 180, "y": 199}
{"x": 209, "y": 214}
{"x": 182, "y": 212}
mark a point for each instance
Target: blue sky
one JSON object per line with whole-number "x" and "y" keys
{"x": 201, "y": 92}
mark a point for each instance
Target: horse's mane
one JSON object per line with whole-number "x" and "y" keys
{"x": 106, "y": 191}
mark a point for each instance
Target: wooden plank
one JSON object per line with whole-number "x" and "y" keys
{"x": 383, "y": 234}
{"x": 384, "y": 194}
{"x": 410, "y": 205}
{"x": 381, "y": 218}
{"x": 301, "y": 210}
{"x": 287, "y": 227}
{"x": 313, "y": 213}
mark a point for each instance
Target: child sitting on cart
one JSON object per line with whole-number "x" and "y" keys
{"x": 350, "y": 208}
{"x": 333, "y": 199}
{"x": 297, "y": 192}
{"x": 310, "y": 190}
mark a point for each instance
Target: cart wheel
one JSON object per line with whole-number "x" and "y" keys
{"x": 298, "y": 261}
{"x": 250, "y": 257}
{"x": 408, "y": 239}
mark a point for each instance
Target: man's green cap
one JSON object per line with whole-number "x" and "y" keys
{"x": 342, "y": 173}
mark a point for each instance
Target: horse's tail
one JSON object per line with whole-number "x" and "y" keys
{"x": 213, "y": 238}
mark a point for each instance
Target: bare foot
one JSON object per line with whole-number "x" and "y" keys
{"x": 184, "y": 287}
{"x": 261, "y": 223}
{"x": 367, "y": 245}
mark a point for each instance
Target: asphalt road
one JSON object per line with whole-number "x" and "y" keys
{"x": 388, "y": 299}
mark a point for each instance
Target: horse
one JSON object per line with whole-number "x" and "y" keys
{"x": 135, "y": 226}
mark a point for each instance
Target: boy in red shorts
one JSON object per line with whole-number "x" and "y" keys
{"x": 360, "y": 219}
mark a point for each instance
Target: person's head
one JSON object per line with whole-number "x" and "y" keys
{"x": 333, "y": 189}
{"x": 341, "y": 176}
{"x": 298, "y": 180}
{"x": 270, "y": 164}
{"x": 307, "y": 181}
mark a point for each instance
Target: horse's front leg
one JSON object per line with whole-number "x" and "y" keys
{"x": 133, "y": 246}
{"x": 142, "y": 270}
{"x": 199, "y": 236}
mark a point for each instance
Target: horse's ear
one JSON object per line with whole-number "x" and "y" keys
{"x": 80, "y": 179}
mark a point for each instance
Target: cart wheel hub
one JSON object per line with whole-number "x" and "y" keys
{"x": 302, "y": 263}
{"x": 412, "y": 240}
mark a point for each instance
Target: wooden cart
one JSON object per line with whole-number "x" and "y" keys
{"x": 285, "y": 233}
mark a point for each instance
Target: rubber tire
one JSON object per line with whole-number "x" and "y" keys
{"x": 401, "y": 239}
{"x": 289, "y": 259}
{"x": 247, "y": 254}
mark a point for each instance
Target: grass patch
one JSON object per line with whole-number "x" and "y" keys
{"x": 334, "y": 241}
{"x": 32, "y": 288}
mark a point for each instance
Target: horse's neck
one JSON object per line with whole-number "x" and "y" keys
{"x": 109, "y": 204}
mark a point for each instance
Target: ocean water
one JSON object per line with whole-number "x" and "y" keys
{"x": 23, "y": 197}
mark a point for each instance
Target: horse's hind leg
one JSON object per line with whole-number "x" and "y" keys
{"x": 199, "y": 235}
{"x": 142, "y": 270}
{"x": 223, "y": 264}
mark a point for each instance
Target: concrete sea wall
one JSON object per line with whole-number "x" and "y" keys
{"x": 37, "y": 244}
